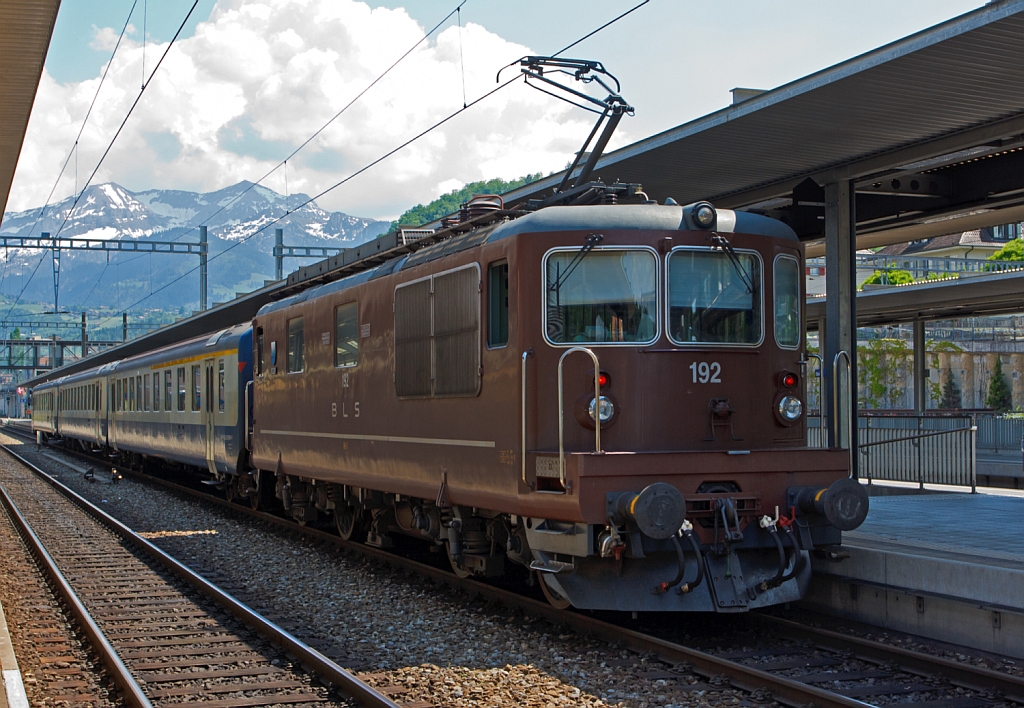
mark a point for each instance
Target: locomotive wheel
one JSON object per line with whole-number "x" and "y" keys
{"x": 348, "y": 521}
{"x": 456, "y": 567}
{"x": 554, "y": 597}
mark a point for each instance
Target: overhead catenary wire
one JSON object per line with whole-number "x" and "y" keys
{"x": 371, "y": 164}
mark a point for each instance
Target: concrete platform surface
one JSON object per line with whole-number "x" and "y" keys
{"x": 949, "y": 566}
{"x": 990, "y": 524}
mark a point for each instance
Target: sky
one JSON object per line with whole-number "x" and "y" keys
{"x": 248, "y": 81}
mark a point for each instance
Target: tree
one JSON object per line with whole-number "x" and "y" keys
{"x": 1000, "y": 398}
{"x": 1013, "y": 251}
{"x": 881, "y": 368}
{"x": 449, "y": 203}
{"x": 950, "y": 392}
{"x": 16, "y": 333}
{"x": 893, "y": 277}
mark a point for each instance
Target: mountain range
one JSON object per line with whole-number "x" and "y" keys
{"x": 117, "y": 280}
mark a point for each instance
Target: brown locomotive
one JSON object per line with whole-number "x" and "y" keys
{"x": 609, "y": 395}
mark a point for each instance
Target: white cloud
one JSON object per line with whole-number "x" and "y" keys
{"x": 259, "y": 77}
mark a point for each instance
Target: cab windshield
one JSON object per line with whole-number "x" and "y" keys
{"x": 609, "y": 296}
{"x": 711, "y": 300}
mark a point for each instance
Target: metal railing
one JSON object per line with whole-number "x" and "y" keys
{"x": 1000, "y": 434}
{"x": 922, "y": 267}
{"x": 918, "y": 454}
{"x": 918, "y": 449}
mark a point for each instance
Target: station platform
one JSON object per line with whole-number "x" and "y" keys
{"x": 12, "y": 692}
{"x": 948, "y": 565}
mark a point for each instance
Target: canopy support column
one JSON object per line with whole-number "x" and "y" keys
{"x": 840, "y": 317}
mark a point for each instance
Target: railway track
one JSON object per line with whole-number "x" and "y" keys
{"x": 792, "y": 663}
{"x": 165, "y": 634}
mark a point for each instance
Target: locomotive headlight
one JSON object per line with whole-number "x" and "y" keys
{"x": 601, "y": 406}
{"x": 704, "y": 215}
{"x": 790, "y": 408}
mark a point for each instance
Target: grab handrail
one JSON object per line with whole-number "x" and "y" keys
{"x": 561, "y": 412}
{"x": 526, "y": 355}
{"x": 835, "y": 400}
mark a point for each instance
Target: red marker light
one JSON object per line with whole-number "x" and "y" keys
{"x": 602, "y": 380}
{"x": 789, "y": 380}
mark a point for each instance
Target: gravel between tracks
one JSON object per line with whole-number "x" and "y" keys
{"x": 58, "y": 667}
{"x": 421, "y": 642}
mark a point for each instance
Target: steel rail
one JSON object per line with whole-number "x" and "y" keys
{"x": 785, "y": 690}
{"x": 131, "y": 691}
{"x": 973, "y": 677}
{"x": 309, "y": 657}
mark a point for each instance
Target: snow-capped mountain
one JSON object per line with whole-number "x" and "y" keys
{"x": 109, "y": 211}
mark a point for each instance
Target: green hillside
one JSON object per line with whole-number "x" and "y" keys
{"x": 450, "y": 202}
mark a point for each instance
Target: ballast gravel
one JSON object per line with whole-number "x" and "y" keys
{"x": 421, "y": 644}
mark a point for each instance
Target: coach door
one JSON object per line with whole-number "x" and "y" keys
{"x": 208, "y": 409}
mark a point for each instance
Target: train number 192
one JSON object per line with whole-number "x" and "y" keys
{"x": 705, "y": 372}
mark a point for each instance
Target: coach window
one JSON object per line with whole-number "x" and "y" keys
{"x": 168, "y": 391}
{"x": 604, "y": 296}
{"x": 220, "y": 385}
{"x": 197, "y": 388}
{"x": 118, "y": 399}
{"x": 296, "y": 346}
{"x": 131, "y": 395}
{"x": 787, "y": 302}
{"x": 138, "y": 399}
{"x": 182, "y": 391}
{"x": 497, "y": 304}
{"x": 156, "y": 391}
{"x": 147, "y": 386}
{"x": 714, "y": 297}
{"x": 346, "y": 335}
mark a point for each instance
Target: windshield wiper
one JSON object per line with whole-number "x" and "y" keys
{"x": 723, "y": 243}
{"x": 591, "y": 242}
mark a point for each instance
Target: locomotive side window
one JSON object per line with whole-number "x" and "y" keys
{"x": 713, "y": 299}
{"x": 182, "y": 391}
{"x": 346, "y": 334}
{"x": 296, "y": 345}
{"x": 787, "y": 302}
{"x": 497, "y": 304}
{"x": 605, "y": 296}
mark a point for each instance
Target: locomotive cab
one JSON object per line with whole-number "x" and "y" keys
{"x": 663, "y": 411}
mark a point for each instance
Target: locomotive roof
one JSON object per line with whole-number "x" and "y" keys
{"x": 634, "y": 217}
